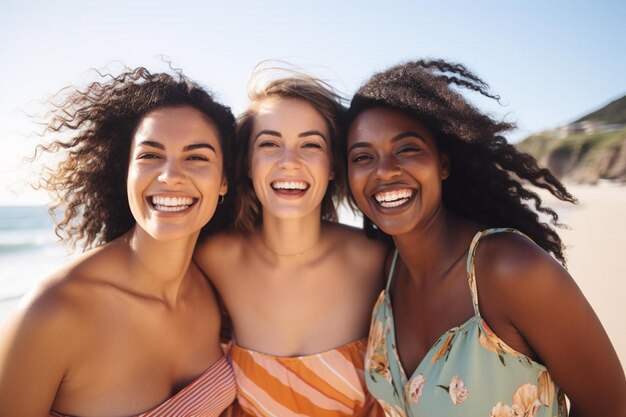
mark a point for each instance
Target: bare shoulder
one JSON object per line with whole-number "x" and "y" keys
{"x": 354, "y": 242}
{"x": 46, "y": 335}
{"x": 55, "y": 312}
{"x": 224, "y": 243}
{"x": 512, "y": 262}
{"x": 61, "y": 303}
{"x": 522, "y": 285}
{"x": 358, "y": 253}
{"x": 219, "y": 252}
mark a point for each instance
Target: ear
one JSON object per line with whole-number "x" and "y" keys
{"x": 331, "y": 176}
{"x": 224, "y": 186}
{"x": 444, "y": 162}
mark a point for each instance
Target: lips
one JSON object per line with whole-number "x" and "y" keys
{"x": 393, "y": 198}
{"x": 172, "y": 203}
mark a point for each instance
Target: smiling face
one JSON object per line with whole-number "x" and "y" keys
{"x": 175, "y": 172}
{"x": 395, "y": 170}
{"x": 290, "y": 163}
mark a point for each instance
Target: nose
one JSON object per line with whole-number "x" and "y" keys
{"x": 171, "y": 173}
{"x": 387, "y": 168}
{"x": 288, "y": 158}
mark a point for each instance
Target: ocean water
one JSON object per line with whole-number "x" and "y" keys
{"x": 29, "y": 250}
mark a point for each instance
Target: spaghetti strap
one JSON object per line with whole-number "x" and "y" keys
{"x": 468, "y": 364}
{"x": 471, "y": 273}
{"x": 392, "y": 269}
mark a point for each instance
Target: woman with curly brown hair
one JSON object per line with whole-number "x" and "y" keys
{"x": 298, "y": 286}
{"x": 477, "y": 319}
{"x": 132, "y": 326}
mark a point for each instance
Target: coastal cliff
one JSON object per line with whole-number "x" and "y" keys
{"x": 587, "y": 150}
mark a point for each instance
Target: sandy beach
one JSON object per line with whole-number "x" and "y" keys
{"x": 596, "y": 254}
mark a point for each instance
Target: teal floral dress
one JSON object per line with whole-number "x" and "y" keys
{"x": 469, "y": 371}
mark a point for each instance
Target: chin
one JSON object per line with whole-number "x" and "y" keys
{"x": 163, "y": 234}
{"x": 290, "y": 213}
{"x": 395, "y": 228}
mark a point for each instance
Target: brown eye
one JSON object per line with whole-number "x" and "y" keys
{"x": 361, "y": 158}
{"x": 312, "y": 145}
{"x": 268, "y": 144}
{"x": 198, "y": 158}
{"x": 410, "y": 149}
{"x": 148, "y": 155}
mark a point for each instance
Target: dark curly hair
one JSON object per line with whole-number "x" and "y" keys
{"x": 487, "y": 174}
{"x": 328, "y": 103}
{"x": 94, "y": 128}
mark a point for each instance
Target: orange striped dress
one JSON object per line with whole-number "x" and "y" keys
{"x": 324, "y": 384}
{"x": 207, "y": 396}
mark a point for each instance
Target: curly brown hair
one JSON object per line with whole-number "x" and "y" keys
{"x": 486, "y": 172}
{"x": 326, "y": 101}
{"x": 96, "y": 125}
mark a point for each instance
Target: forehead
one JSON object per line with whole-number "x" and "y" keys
{"x": 287, "y": 113}
{"x": 381, "y": 123}
{"x": 176, "y": 124}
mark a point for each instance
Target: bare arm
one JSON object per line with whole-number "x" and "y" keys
{"x": 34, "y": 352}
{"x": 544, "y": 304}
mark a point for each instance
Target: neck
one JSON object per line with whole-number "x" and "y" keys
{"x": 160, "y": 269}
{"x": 285, "y": 239}
{"x": 428, "y": 251}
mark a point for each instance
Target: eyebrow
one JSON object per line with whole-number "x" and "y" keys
{"x": 301, "y": 135}
{"x": 396, "y": 138}
{"x": 268, "y": 132}
{"x": 312, "y": 133}
{"x": 195, "y": 146}
{"x": 187, "y": 148}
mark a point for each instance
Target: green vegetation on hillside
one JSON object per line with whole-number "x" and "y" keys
{"x": 584, "y": 157}
{"x": 541, "y": 144}
{"x": 614, "y": 112}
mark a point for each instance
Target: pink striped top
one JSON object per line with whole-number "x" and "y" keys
{"x": 207, "y": 396}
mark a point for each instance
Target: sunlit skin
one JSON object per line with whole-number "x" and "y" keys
{"x": 289, "y": 158}
{"x": 175, "y": 155}
{"x": 295, "y": 285}
{"x": 395, "y": 170}
{"x": 394, "y": 157}
{"x": 127, "y": 324}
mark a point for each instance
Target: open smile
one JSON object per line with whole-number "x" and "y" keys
{"x": 172, "y": 203}
{"x": 290, "y": 187}
{"x": 394, "y": 198}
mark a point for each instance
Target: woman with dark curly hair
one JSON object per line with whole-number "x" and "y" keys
{"x": 298, "y": 286}
{"x": 131, "y": 325}
{"x": 435, "y": 174}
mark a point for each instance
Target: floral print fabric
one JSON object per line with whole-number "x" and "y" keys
{"x": 469, "y": 371}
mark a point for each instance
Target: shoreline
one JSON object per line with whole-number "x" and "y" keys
{"x": 595, "y": 237}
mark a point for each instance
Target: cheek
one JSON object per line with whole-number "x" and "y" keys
{"x": 257, "y": 172}
{"x": 355, "y": 178}
{"x": 357, "y": 183}
{"x": 326, "y": 164}
{"x": 133, "y": 178}
{"x": 256, "y": 166}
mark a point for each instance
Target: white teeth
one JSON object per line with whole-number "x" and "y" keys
{"x": 390, "y": 204}
{"x": 290, "y": 185}
{"x": 171, "y": 203}
{"x": 393, "y": 196}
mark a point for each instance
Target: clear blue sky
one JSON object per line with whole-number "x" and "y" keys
{"x": 551, "y": 61}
